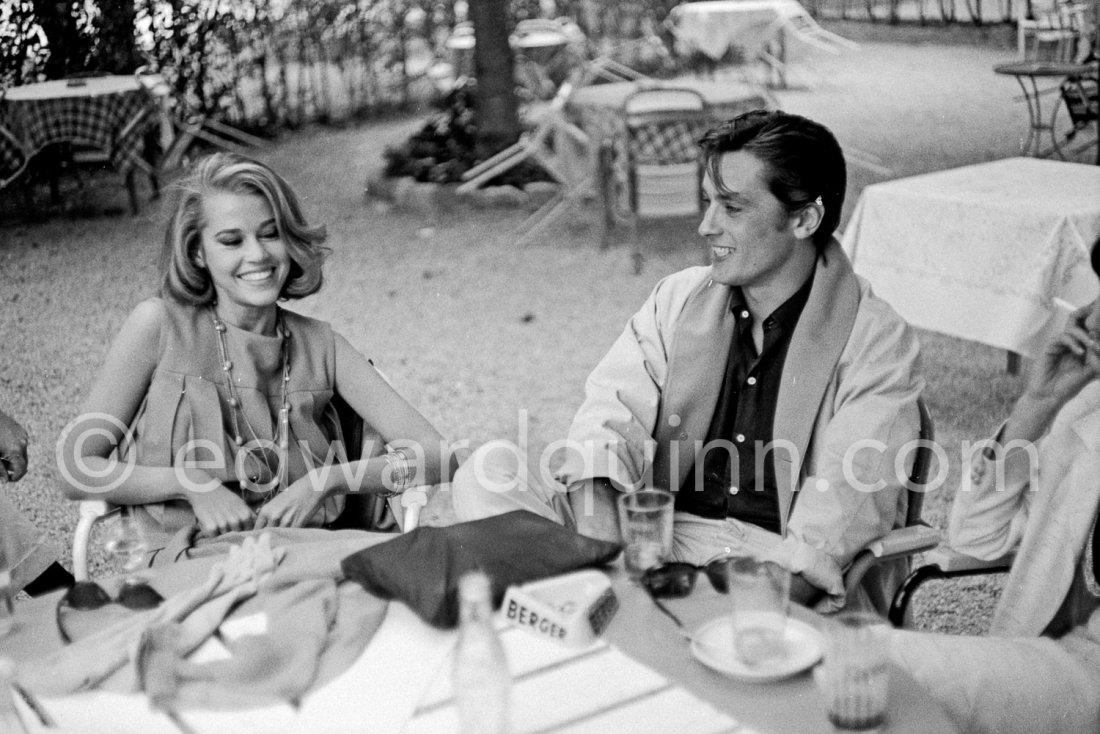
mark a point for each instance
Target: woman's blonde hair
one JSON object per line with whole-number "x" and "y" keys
{"x": 184, "y": 280}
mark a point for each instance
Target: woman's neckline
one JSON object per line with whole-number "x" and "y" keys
{"x": 269, "y": 324}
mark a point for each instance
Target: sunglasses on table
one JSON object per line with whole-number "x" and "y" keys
{"x": 133, "y": 594}
{"x": 677, "y": 580}
{"x": 87, "y": 596}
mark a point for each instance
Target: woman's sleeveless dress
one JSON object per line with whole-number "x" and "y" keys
{"x": 186, "y": 414}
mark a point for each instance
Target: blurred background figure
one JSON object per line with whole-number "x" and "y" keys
{"x": 24, "y": 551}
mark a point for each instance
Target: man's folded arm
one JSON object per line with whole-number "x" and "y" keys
{"x": 612, "y": 432}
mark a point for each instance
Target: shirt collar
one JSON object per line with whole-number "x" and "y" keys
{"x": 785, "y": 316}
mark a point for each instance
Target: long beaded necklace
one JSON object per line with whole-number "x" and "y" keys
{"x": 282, "y": 427}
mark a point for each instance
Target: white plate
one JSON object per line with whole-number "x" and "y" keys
{"x": 712, "y": 645}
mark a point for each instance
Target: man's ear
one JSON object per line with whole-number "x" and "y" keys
{"x": 808, "y": 219}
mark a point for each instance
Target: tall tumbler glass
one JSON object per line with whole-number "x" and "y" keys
{"x": 855, "y": 676}
{"x": 760, "y": 594}
{"x": 645, "y": 522}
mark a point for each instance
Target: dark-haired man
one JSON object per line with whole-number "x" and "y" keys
{"x": 771, "y": 391}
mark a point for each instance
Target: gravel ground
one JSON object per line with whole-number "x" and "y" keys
{"x": 488, "y": 338}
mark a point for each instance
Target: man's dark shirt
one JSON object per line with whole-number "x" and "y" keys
{"x": 744, "y": 416}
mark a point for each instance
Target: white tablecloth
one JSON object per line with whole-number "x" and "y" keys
{"x": 580, "y": 691}
{"x": 378, "y": 694}
{"x": 93, "y": 86}
{"x": 712, "y": 27}
{"x": 982, "y": 252}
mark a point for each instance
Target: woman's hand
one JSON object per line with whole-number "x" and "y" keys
{"x": 219, "y": 510}
{"x": 293, "y": 506}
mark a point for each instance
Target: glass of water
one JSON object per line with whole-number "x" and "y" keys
{"x": 760, "y": 593}
{"x": 645, "y": 522}
{"x": 126, "y": 542}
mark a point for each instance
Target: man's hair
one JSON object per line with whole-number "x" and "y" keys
{"x": 801, "y": 157}
{"x": 184, "y": 280}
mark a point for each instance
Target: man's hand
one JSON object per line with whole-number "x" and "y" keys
{"x": 595, "y": 509}
{"x": 292, "y": 507}
{"x": 219, "y": 510}
{"x": 13, "y": 449}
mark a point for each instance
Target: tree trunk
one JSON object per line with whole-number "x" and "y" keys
{"x": 116, "y": 50}
{"x": 69, "y": 48}
{"x": 497, "y": 109}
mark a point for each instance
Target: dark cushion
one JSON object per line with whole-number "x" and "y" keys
{"x": 422, "y": 568}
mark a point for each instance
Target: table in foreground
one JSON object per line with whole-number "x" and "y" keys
{"x": 638, "y": 629}
{"x": 982, "y": 252}
{"x": 792, "y": 705}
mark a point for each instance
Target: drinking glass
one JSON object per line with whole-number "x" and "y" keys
{"x": 125, "y": 540}
{"x": 855, "y": 676}
{"x": 760, "y": 593}
{"x": 645, "y": 522}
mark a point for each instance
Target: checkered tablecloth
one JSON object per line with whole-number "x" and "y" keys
{"x": 113, "y": 121}
{"x": 666, "y": 143}
{"x": 599, "y": 111}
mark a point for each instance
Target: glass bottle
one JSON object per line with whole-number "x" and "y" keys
{"x": 482, "y": 682}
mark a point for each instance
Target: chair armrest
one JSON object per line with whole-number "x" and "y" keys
{"x": 905, "y": 542}
{"x": 952, "y": 563}
{"x": 897, "y": 544}
{"x": 412, "y": 501}
{"x": 90, "y": 511}
{"x": 942, "y": 563}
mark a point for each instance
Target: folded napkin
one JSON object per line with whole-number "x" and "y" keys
{"x": 88, "y": 662}
{"x": 422, "y": 568}
{"x": 376, "y": 694}
{"x": 291, "y": 629}
{"x": 278, "y": 664}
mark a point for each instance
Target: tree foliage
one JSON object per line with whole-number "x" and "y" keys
{"x": 267, "y": 64}
{"x": 22, "y": 43}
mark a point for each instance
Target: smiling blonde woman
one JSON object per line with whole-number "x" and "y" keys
{"x": 215, "y": 403}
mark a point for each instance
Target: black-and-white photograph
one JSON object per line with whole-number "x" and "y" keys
{"x": 549, "y": 366}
